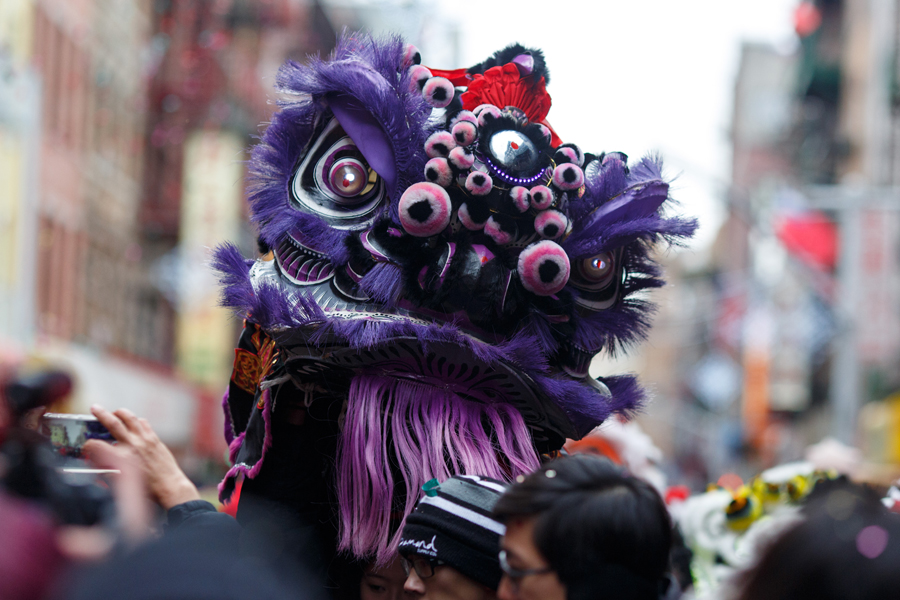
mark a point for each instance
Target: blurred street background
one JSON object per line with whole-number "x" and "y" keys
{"x": 124, "y": 125}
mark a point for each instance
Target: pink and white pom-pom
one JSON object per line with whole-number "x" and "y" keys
{"x": 464, "y": 132}
{"x": 550, "y": 224}
{"x": 466, "y": 219}
{"x": 492, "y": 228}
{"x": 461, "y": 158}
{"x": 438, "y": 92}
{"x": 479, "y": 183}
{"x": 419, "y": 76}
{"x": 541, "y": 197}
{"x": 545, "y": 131}
{"x": 485, "y": 113}
{"x": 424, "y": 209}
{"x": 569, "y": 153}
{"x": 521, "y": 198}
{"x": 464, "y": 115}
{"x": 568, "y": 177}
{"x": 543, "y": 268}
{"x": 439, "y": 143}
{"x": 411, "y": 56}
{"x": 437, "y": 170}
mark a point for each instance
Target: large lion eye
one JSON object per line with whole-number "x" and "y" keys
{"x": 347, "y": 177}
{"x": 514, "y": 153}
{"x": 597, "y": 269}
{"x": 335, "y": 181}
{"x": 597, "y": 280}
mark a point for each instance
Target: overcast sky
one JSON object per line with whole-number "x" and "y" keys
{"x": 637, "y": 75}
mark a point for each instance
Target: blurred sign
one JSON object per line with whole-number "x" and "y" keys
{"x": 756, "y": 359}
{"x": 210, "y": 212}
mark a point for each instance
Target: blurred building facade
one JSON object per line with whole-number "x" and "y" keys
{"x": 802, "y": 294}
{"x": 123, "y": 128}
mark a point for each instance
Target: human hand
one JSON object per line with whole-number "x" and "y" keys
{"x": 166, "y": 482}
{"x": 133, "y": 515}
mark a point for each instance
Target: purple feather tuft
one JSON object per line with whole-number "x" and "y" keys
{"x": 586, "y": 407}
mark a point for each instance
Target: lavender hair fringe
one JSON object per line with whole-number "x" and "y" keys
{"x": 433, "y": 434}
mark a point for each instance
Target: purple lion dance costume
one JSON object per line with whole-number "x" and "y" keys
{"x": 438, "y": 270}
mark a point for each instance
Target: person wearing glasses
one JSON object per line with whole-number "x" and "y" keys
{"x": 580, "y": 527}
{"x": 450, "y": 543}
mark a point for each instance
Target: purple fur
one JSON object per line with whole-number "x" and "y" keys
{"x": 629, "y": 218}
{"x": 368, "y": 70}
{"x": 616, "y": 328}
{"x": 432, "y": 434}
{"x": 376, "y": 81}
{"x": 586, "y": 407}
{"x": 630, "y": 396}
{"x": 269, "y": 308}
{"x": 646, "y": 170}
{"x": 383, "y": 283}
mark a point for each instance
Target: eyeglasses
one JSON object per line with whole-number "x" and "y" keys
{"x": 516, "y": 575}
{"x": 422, "y": 565}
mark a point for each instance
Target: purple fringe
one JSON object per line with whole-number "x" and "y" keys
{"x": 383, "y": 283}
{"x": 421, "y": 432}
{"x": 526, "y": 350}
{"x": 250, "y": 471}
{"x": 229, "y": 426}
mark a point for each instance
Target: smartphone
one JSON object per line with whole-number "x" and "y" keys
{"x": 68, "y": 433}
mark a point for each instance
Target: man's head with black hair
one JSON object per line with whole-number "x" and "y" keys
{"x": 579, "y": 525}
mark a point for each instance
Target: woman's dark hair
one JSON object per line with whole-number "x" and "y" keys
{"x": 847, "y": 547}
{"x": 598, "y": 527}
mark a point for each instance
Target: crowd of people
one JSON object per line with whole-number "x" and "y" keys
{"x": 578, "y": 527}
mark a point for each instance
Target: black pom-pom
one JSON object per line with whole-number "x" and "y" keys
{"x": 501, "y": 57}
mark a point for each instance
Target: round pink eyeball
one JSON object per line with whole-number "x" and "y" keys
{"x": 437, "y": 170}
{"x": 550, "y": 224}
{"x": 521, "y": 197}
{"x": 479, "y": 183}
{"x": 411, "y": 55}
{"x": 486, "y": 113}
{"x": 461, "y": 158}
{"x": 419, "y": 75}
{"x": 568, "y": 177}
{"x": 466, "y": 219}
{"x": 492, "y": 228}
{"x": 541, "y": 197}
{"x": 424, "y": 209}
{"x": 438, "y": 92}
{"x": 439, "y": 143}
{"x": 464, "y": 132}
{"x": 543, "y": 268}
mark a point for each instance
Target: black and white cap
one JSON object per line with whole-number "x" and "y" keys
{"x": 455, "y": 526}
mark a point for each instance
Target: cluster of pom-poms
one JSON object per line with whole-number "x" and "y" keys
{"x": 437, "y": 91}
{"x": 426, "y": 208}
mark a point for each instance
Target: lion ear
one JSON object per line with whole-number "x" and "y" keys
{"x": 368, "y": 135}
